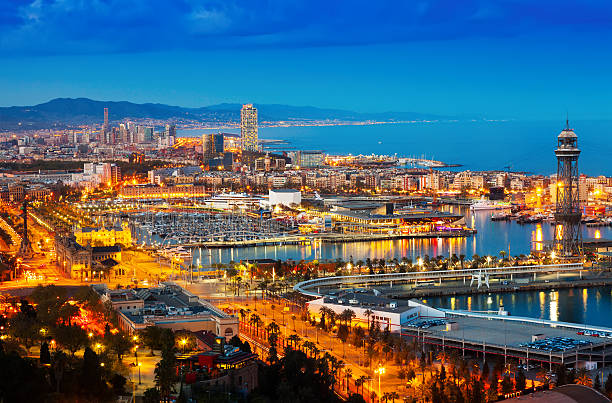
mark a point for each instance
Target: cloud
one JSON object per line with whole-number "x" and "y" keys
{"x": 93, "y": 26}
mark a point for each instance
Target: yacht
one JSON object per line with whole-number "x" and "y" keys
{"x": 485, "y": 204}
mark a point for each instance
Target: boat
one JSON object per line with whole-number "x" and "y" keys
{"x": 500, "y": 216}
{"x": 485, "y": 204}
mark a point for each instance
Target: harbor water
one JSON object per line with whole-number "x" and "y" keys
{"x": 591, "y": 306}
{"x": 491, "y": 238}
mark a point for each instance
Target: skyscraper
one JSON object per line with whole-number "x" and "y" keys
{"x": 104, "y": 132}
{"x": 208, "y": 146}
{"x": 568, "y": 235}
{"x": 248, "y": 127}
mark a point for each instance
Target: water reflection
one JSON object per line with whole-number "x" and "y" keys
{"x": 492, "y": 237}
{"x": 564, "y": 305}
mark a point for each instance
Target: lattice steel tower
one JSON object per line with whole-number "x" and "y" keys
{"x": 568, "y": 235}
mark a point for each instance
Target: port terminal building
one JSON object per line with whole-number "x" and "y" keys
{"x": 369, "y": 307}
{"x": 384, "y": 219}
{"x": 168, "y": 306}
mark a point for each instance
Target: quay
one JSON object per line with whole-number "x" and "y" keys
{"x": 326, "y": 238}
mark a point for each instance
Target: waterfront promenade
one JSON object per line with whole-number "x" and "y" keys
{"x": 522, "y": 274}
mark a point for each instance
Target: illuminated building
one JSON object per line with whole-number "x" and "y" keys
{"x": 149, "y": 191}
{"x": 104, "y": 236}
{"x": 169, "y": 306}
{"x": 248, "y": 127}
{"x": 391, "y": 314}
{"x": 373, "y": 218}
{"x": 111, "y": 173}
{"x": 310, "y": 159}
{"x": 208, "y": 146}
{"x": 87, "y": 262}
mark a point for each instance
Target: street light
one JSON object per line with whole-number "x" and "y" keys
{"x": 183, "y": 343}
{"x": 139, "y": 365}
{"x": 380, "y": 371}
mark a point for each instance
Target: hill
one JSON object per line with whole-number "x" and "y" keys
{"x": 66, "y": 112}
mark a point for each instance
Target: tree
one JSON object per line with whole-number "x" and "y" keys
{"x": 608, "y": 385}
{"x": 506, "y": 385}
{"x": 520, "y": 381}
{"x": 165, "y": 374}
{"x": 45, "y": 355}
{"x": 71, "y": 337}
{"x": 90, "y": 378}
{"x": 152, "y": 395}
{"x": 597, "y": 383}
{"x": 151, "y": 337}
{"x": 294, "y": 339}
{"x": 368, "y": 313}
{"x": 20, "y": 379}
{"x": 119, "y": 344}
{"x": 561, "y": 373}
{"x": 117, "y": 382}
{"x": 355, "y": 398}
{"x": 343, "y": 334}
{"x": 25, "y": 328}
{"x": 60, "y": 362}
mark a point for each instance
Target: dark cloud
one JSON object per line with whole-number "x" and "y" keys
{"x": 92, "y": 26}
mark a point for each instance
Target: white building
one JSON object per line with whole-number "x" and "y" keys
{"x": 285, "y": 197}
{"x": 389, "y": 313}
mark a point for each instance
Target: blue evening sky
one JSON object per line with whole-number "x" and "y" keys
{"x": 521, "y": 59}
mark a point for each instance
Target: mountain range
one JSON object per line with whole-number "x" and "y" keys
{"x": 69, "y": 112}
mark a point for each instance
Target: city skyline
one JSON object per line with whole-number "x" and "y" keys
{"x": 516, "y": 60}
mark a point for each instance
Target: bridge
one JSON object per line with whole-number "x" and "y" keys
{"x": 313, "y": 287}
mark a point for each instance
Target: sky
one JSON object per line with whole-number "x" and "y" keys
{"x": 504, "y": 59}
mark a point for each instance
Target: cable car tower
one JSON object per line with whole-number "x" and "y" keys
{"x": 568, "y": 236}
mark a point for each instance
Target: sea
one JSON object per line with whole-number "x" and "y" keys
{"x": 477, "y": 145}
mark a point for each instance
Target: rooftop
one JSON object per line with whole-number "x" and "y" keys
{"x": 366, "y": 298}
{"x": 563, "y": 394}
{"x": 511, "y": 333}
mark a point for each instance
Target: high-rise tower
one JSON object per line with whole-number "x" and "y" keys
{"x": 208, "y": 146}
{"x": 568, "y": 236}
{"x": 248, "y": 127}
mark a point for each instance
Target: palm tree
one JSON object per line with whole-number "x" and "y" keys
{"x": 461, "y": 260}
{"x": 294, "y": 339}
{"x": 273, "y": 328}
{"x": 368, "y": 313}
{"x": 443, "y": 357}
{"x": 348, "y": 373}
{"x": 362, "y": 380}
{"x": 358, "y": 383}
{"x": 255, "y": 320}
{"x": 308, "y": 345}
{"x": 393, "y": 395}
{"x": 347, "y": 316}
